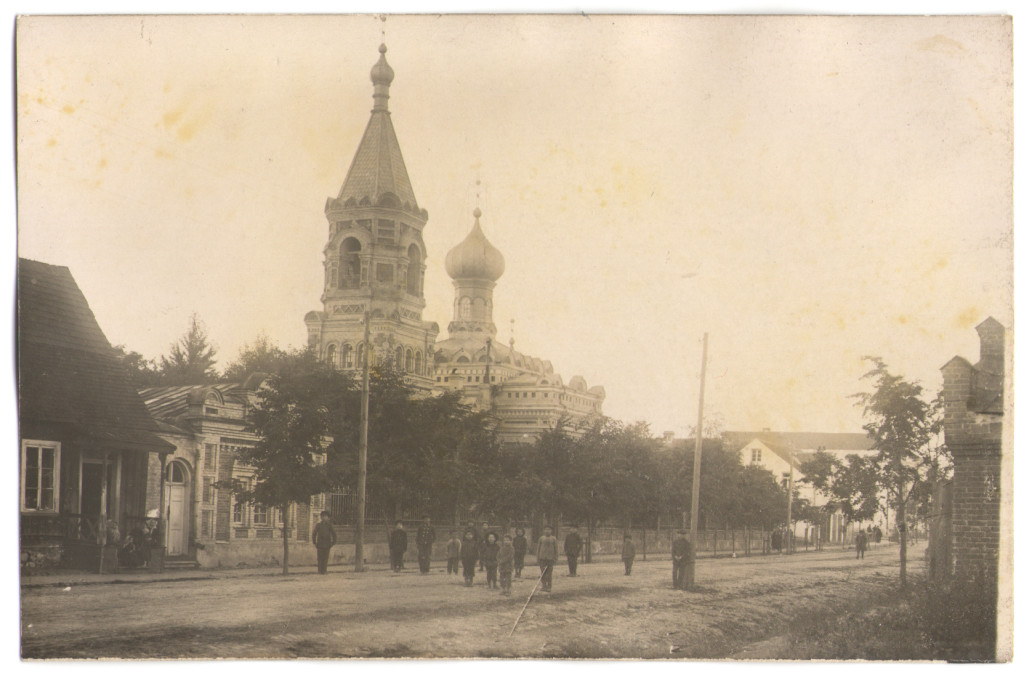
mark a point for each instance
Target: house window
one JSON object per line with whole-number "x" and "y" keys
{"x": 207, "y": 490}
{"x": 259, "y": 515}
{"x": 755, "y": 456}
{"x": 40, "y": 478}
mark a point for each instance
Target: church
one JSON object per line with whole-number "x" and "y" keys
{"x": 374, "y": 267}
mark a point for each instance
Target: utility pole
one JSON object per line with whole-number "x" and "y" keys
{"x": 789, "y": 508}
{"x": 695, "y": 501}
{"x": 364, "y": 431}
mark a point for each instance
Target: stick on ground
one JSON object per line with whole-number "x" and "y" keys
{"x": 527, "y": 602}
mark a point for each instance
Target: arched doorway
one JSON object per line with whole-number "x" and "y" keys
{"x": 177, "y": 486}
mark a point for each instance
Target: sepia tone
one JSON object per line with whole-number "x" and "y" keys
{"x": 547, "y": 218}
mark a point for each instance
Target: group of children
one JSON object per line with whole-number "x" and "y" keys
{"x": 503, "y": 556}
{"x": 499, "y": 560}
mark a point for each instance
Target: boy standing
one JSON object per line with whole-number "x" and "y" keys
{"x": 425, "y": 537}
{"x": 547, "y": 555}
{"x": 505, "y": 558}
{"x": 469, "y": 556}
{"x": 519, "y": 545}
{"x": 397, "y": 544}
{"x": 454, "y": 550}
{"x": 573, "y": 545}
{"x": 628, "y": 553}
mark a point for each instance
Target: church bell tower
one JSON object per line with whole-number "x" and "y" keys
{"x": 374, "y": 260}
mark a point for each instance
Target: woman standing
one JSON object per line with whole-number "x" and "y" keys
{"x": 489, "y": 558}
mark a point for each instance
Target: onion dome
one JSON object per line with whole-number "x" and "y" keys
{"x": 381, "y": 73}
{"x": 475, "y": 257}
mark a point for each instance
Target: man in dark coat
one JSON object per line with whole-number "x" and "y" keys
{"x": 324, "y": 538}
{"x": 425, "y": 537}
{"x": 519, "y": 546}
{"x": 682, "y": 557}
{"x": 861, "y": 543}
{"x": 397, "y": 544}
{"x": 572, "y": 545}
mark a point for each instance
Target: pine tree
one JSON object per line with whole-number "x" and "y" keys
{"x": 191, "y": 359}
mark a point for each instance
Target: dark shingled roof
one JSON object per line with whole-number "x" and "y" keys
{"x": 378, "y": 167}
{"x": 71, "y": 386}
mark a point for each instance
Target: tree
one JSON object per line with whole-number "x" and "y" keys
{"x": 901, "y": 424}
{"x": 262, "y": 356}
{"x": 141, "y": 371}
{"x": 191, "y": 359}
{"x": 292, "y": 459}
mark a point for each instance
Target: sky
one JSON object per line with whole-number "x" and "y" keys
{"x": 806, "y": 191}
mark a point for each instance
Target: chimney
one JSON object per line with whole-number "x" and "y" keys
{"x": 991, "y": 333}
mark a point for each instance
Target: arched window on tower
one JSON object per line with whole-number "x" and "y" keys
{"x": 346, "y": 356}
{"x": 360, "y": 355}
{"x": 419, "y": 363}
{"x": 412, "y": 278}
{"x": 399, "y": 358}
{"x": 332, "y": 353}
{"x": 465, "y": 308}
{"x": 349, "y": 261}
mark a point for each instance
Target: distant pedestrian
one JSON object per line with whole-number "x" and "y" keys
{"x": 425, "y": 537}
{"x": 324, "y": 538}
{"x": 489, "y": 558}
{"x": 878, "y": 534}
{"x": 481, "y": 536}
{"x": 397, "y": 544}
{"x": 682, "y": 552}
{"x": 861, "y": 543}
{"x": 572, "y": 546}
{"x": 628, "y": 554}
{"x": 547, "y": 556}
{"x": 506, "y": 555}
{"x": 470, "y": 553}
{"x": 454, "y": 552}
{"x": 519, "y": 545}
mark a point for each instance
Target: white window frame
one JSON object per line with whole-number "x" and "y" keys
{"x": 55, "y": 446}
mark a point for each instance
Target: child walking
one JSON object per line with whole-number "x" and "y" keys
{"x": 489, "y": 558}
{"x": 506, "y": 555}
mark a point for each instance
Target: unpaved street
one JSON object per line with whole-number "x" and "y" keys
{"x": 601, "y": 613}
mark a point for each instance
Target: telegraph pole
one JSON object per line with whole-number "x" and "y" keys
{"x": 789, "y": 509}
{"x": 364, "y": 431}
{"x": 695, "y": 500}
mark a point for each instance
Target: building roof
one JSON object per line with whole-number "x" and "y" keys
{"x": 378, "y": 168}
{"x": 71, "y": 385}
{"x": 170, "y": 402}
{"x": 794, "y": 444}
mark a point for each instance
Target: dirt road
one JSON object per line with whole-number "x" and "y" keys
{"x": 599, "y": 614}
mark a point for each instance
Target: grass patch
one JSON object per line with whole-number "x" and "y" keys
{"x": 920, "y": 622}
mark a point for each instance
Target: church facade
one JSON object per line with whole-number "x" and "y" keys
{"x": 374, "y": 267}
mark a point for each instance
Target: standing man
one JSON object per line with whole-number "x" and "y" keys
{"x": 573, "y": 545}
{"x": 861, "y": 543}
{"x": 397, "y": 544}
{"x": 547, "y": 555}
{"x": 681, "y": 552}
{"x": 324, "y": 538}
{"x": 425, "y": 537}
